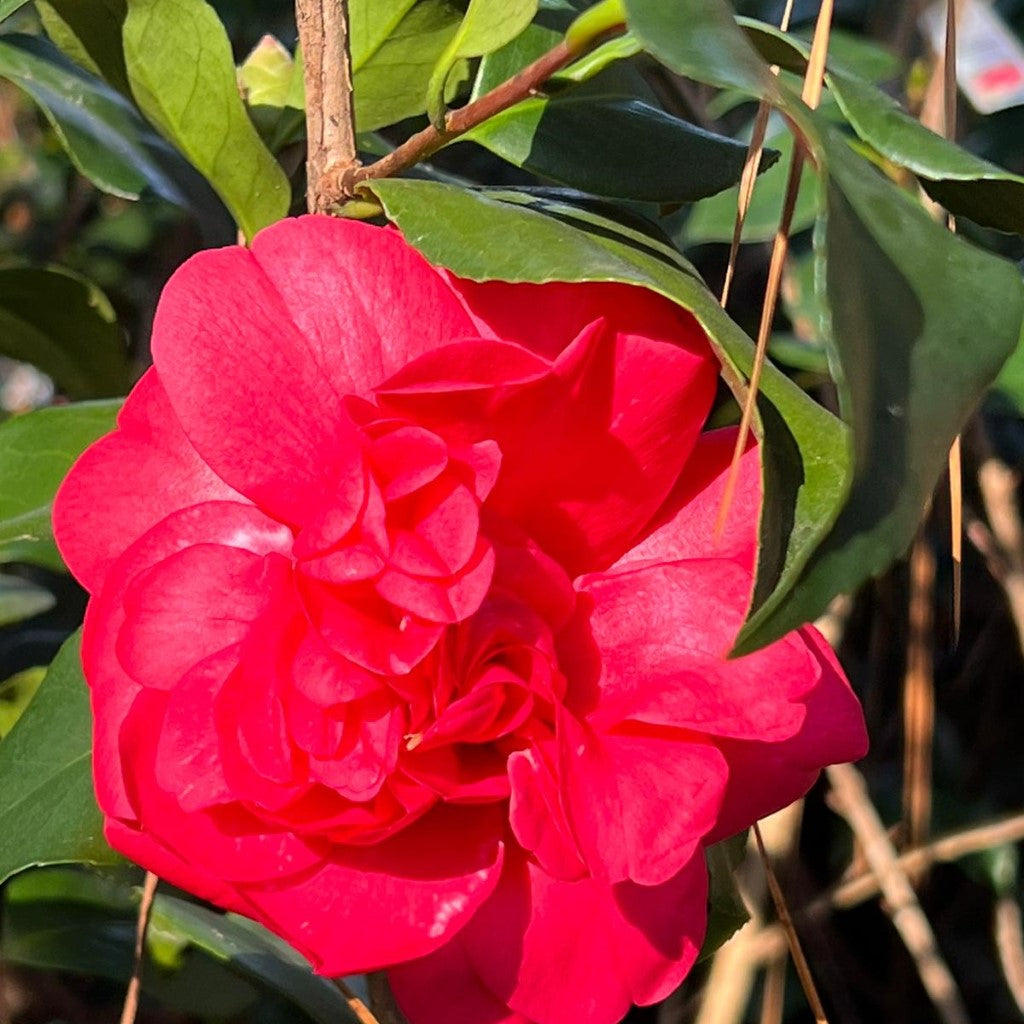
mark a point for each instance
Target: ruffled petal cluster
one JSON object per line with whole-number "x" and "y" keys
{"x": 408, "y": 628}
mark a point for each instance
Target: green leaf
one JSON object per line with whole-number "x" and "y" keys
{"x": 65, "y": 326}
{"x": 90, "y": 34}
{"x": 20, "y": 599}
{"x": 727, "y": 913}
{"x": 501, "y": 64}
{"x": 16, "y": 694}
{"x": 600, "y": 144}
{"x": 712, "y": 220}
{"x": 371, "y": 22}
{"x": 208, "y": 963}
{"x": 48, "y": 813}
{"x": 36, "y": 452}
{"x": 182, "y": 75}
{"x": 255, "y": 954}
{"x": 69, "y": 920}
{"x": 965, "y": 184}
{"x": 805, "y": 458}
{"x": 101, "y": 130}
{"x": 8, "y": 7}
{"x": 700, "y": 39}
{"x": 921, "y": 322}
{"x": 389, "y": 78}
{"x": 272, "y": 84}
{"x": 487, "y": 25}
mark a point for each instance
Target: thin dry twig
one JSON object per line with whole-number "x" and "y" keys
{"x": 750, "y": 168}
{"x": 131, "y": 996}
{"x": 956, "y": 497}
{"x": 803, "y": 969}
{"x": 1002, "y": 541}
{"x": 355, "y": 1004}
{"x": 1009, "y": 940}
{"x": 769, "y": 943}
{"x": 814, "y": 80}
{"x": 330, "y": 124}
{"x": 919, "y": 697}
{"x": 773, "y": 997}
{"x": 382, "y": 1000}
{"x": 853, "y": 803}
{"x": 421, "y": 145}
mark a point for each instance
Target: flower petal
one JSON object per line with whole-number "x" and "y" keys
{"x": 664, "y": 633}
{"x": 248, "y": 387}
{"x": 639, "y": 802}
{"x": 113, "y": 690}
{"x": 226, "y": 841}
{"x": 443, "y": 988}
{"x": 166, "y": 474}
{"x": 560, "y": 951}
{"x": 765, "y": 777}
{"x": 218, "y": 591}
{"x": 589, "y": 450}
{"x": 367, "y": 302}
{"x": 686, "y": 524}
{"x": 370, "y": 907}
{"x": 188, "y": 755}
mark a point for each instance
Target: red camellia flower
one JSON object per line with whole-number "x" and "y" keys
{"x": 408, "y": 629}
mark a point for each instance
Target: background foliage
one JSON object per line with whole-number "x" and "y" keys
{"x": 135, "y": 132}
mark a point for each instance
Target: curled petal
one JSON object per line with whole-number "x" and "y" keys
{"x": 188, "y": 754}
{"x": 538, "y": 818}
{"x": 226, "y": 841}
{"x": 639, "y": 802}
{"x": 113, "y": 690}
{"x": 219, "y": 591}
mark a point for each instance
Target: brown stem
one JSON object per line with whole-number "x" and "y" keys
{"x": 330, "y": 127}
{"x": 430, "y": 139}
{"x": 131, "y": 998}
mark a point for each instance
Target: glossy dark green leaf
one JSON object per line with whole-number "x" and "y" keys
{"x": 89, "y": 33}
{"x": 699, "y": 39}
{"x": 921, "y": 323}
{"x": 72, "y": 920}
{"x": 48, "y": 813}
{"x": 36, "y": 452}
{"x": 965, "y": 184}
{"x": 101, "y": 130}
{"x": 806, "y": 454}
{"x": 712, "y": 220}
{"x": 390, "y": 71}
{"x": 487, "y": 25}
{"x": 65, "y": 326}
{"x": 597, "y": 144}
{"x": 182, "y": 74}
{"x": 256, "y": 954}
{"x": 207, "y": 963}
{"x": 727, "y": 913}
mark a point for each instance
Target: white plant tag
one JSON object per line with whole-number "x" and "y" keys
{"x": 990, "y": 58}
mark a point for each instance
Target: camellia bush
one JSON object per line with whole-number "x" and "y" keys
{"x": 450, "y": 547}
